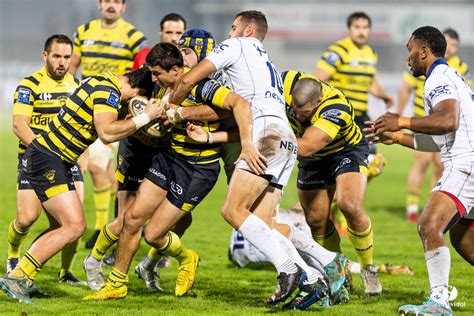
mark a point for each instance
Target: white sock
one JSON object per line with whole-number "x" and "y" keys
{"x": 260, "y": 236}
{"x": 438, "y": 262}
{"x": 312, "y": 274}
{"x": 355, "y": 267}
{"x": 306, "y": 244}
{"x": 92, "y": 263}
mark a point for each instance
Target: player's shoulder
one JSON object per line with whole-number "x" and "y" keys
{"x": 33, "y": 80}
{"x": 88, "y": 26}
{"x": 129, "y": 28}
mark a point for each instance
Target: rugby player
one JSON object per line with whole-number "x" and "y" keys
{"x": 90, "y": 112}
{"x": 446, "y": 127}
{"x": 244, "y": 59}
{"x": 37, "y": 99}
{"x": 168, "y": 179}
{"x": 172, "y": 27}
{"x": 108, "y": 43}
{"x": 421, "y": 160}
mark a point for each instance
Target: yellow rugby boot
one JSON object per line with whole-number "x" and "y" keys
{"x": 186, "y": 272}
{"x": 109, "y": 291}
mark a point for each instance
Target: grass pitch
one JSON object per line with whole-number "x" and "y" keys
{"x": 220, "y": 287}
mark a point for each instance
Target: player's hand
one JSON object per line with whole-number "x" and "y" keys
{"x": 388, "y": 122}
{"x": 384, "y": 138}
{"x": 173, "y": 113}
{"x": 197, "y": 133}
{"x": 254, "y": 159}
{"x": 154, "y": 109}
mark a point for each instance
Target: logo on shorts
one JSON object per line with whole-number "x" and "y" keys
{"x": 50, "y": 174}
{"x": 342, "y": 163}
{"x": 176, "y": 188}
{"x": 119, "y": 160}
{"x": 24, "y": 162}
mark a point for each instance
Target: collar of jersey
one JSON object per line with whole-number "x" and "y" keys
{"x": 437, "y": 62}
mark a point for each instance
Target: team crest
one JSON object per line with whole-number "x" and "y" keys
{"x": 50, "y": 174}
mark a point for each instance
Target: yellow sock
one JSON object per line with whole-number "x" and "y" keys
{"x": 363, "y": 243}
{"x": 105, "y": 240}
{"x": 174, "y": 247}
{"x": 67, "y": 257}
{"x": 117, "y": 277}
{"x": 331, "y": 241}
{"x": 102, "y": 203}
{"x": 413, "y": 201}
{"x": 15, "y": 239}
{"x": 27, "y": 267}
{"x": 154, "y": 254}
{"x": 338, "y": 217}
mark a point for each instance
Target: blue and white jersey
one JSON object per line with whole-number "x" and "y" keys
{"x": 249, "y": 72}
{"x": 457, "y": 148}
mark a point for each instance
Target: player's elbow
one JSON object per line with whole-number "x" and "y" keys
{"x": 450, "y": 124}
{"x": 187, "y": 82}
{"x": 107, "y": 138}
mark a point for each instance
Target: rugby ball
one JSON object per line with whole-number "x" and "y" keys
{"x": 155, "y": 128}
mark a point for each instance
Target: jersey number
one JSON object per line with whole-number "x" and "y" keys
{"x": 276, "y": 79}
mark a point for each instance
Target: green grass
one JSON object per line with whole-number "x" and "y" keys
{"x": 220, "y": 287}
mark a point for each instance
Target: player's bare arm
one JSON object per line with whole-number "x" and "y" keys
{"x": 377, "y": 90}
{"x": 21, "y": 128}
{"x": 75, "y": 63}
{"x": 200, "y": 135}
{"x": 444, "y": 119}
{"x": 312, "y": 141}
{"x": 322, "y": 75}
{"x": 175, "y": 113}
{"x": 110, "y": 129}
{"x": 190, "y": 79}
{"x": 403, "y": 96}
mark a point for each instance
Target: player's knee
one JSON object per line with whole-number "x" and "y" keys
{"x": 316, "y": 220}
{"x": 132, "y": 221}
{"x": 23, "y": 224}
{"x": 350, "y": 207}
{"x": 153, "y": 238}
{"x": 75, "y": 230}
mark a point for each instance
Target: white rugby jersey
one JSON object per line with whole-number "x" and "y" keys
{"x": 249, "y": 72}
{"x": 442, "y": 83}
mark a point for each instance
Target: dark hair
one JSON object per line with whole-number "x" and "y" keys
{"x": 172, "y": 17}
{"x": 451, "y": 33}
{"x": 358, "y": 15}
{"x": 433, "y": 38}
{"x": 256, "y": 17}
{"x": 56, "y": 38}
{"x": 165, "y": 55}
{"x": 141, "y": 78}
{"x": 306, "y": 90}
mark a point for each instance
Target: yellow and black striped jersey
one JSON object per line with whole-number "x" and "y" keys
{"x": 334, "y": 115}
{"x": 352, "y": 70}
{"x": 40, "y": 97}
{"x": 418, "y": 83}
{"x": 208, "y": 92}
{"x": 103, "y": 50}
{"x": 72, "y": 130}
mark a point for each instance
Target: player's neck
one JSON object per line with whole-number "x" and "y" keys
{"x": 108, "y": 24}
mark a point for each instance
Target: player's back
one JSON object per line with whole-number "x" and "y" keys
{"x": 250, "y": 73}
{"x": 442, "y": 83}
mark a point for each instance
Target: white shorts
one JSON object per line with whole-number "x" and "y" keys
{"x": 101, "y": 154}
{"x": 275, "y": 140}
{"x": 460, "y": 184}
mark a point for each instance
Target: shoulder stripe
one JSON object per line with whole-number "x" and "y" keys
{"x": 33, "y": 80}
{"x": 348, "y": 73}
{"x": 86, "y": 26}
{"x": 131, "y": 32}
{"x": 342, "y": 47}
{"x": 138, "y": 43}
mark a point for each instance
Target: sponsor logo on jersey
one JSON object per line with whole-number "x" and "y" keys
{"x": 24, "y": 96}
{"x": 41, "y": 120}
{"x": 88, "y": 42}
{"x": 117, "y": 44}
{"x": 333, "y": 58}
{"x": 209, "y": 88}
{"x": 439, "y": 90}
{"x": 219, "y": 48}
{"x": 290, "y": 146}
{"x": 332, "y": 115}
{"x": 113, "y": 100}
{"x": 46, "y": 96}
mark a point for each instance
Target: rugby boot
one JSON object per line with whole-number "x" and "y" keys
{"x": 287, "y": 283}
{"x": 109, "y": 291}
{"x": 16, "y": 289}
{"x": 369, "y": 275}
{"x": 427, "y": 308}
{"x": 150, "y": 276}
{"x": 186, "y": 272}
{"x": 70, "y": 279}
{"x": 95, "y": 277}
{"x": 309, "y": 294}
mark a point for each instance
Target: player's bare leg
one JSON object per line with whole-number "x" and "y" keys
{"x": 421, "y": 161}
{"x": 245, "y": 189}
{"x": 438, "y": 213}
{"x": 461, "y": 236}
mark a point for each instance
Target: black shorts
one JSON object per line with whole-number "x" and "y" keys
{"x": 47, "y": 174}
{"x": 316, "y": 174}
{"x": 187, "y": 184}
{"x": 133, "y": 161}
{"x": 24, "y": 184}
{"x": 359, "y": 120}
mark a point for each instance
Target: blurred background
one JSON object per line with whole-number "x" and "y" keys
{"x": 299, "y": 30}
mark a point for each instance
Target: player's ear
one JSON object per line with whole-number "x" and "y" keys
{"x": 124, "y": 8}
{"x": 45, "y": 55}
